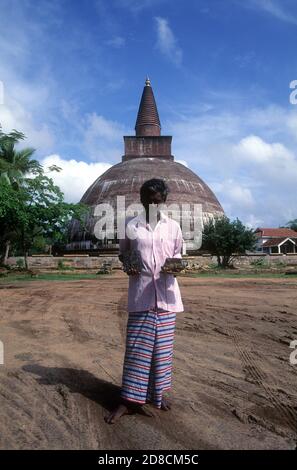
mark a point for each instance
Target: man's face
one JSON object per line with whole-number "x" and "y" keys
{"x": 153, "y": 198}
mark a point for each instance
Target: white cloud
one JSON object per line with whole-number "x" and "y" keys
{"x": 280, "y": 10}
{"x": 102, "y": 127}
{"x": 234, "y": 193}
{"x": 13, "y": 115}
{"x": 292, "y": 124}
{"x": 247, "y": 157}
{"x": 273, "y": 161}
{"x": 256, "y": 150}
{"x": 103, "y": 138}
{"x": 25, "y": 101}
{"x": 75, "y": 177}
{"x": 237, "y": 200}
{"x": 166, "y": 41}
{"x": 252, "y": 221}
{"x": 27, "y": 81}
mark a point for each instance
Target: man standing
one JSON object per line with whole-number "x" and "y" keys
{"x": 153, "y": 300}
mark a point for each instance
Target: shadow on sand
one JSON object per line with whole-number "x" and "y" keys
{"x": 104, "y": 393}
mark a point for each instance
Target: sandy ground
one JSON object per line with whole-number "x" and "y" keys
{"x": 233, "y": 385}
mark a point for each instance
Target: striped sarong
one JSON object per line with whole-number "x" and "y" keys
{"x": 148, "y": 357}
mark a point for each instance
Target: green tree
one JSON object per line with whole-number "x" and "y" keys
{"x": 44, "y": 213}
{"x": 32, "y": 209}
{"x": 292, "y": 224}
{"x": 14, "y": 164}
{"x": 11, "y": 215}
{"x": 225, "y": 239}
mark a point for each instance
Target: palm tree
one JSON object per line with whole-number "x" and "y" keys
{"x": 15, "y": 164}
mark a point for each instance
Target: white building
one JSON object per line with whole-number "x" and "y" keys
{"x": 276, "y": 240}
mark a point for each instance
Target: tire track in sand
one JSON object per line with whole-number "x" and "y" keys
{"x": 287, "y": 412}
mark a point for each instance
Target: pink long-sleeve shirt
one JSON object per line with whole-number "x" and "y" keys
{"x": 152, "y": 287}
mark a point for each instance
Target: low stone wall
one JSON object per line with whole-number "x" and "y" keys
{"x": 270, "y": 260}
{"x": 92, "y": 262}
{"x": 77, "y": 262}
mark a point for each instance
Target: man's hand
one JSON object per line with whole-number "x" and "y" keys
{"x": 173, "y": 265}
{"x": 132, "y": 272}
{"x": 176, "y": 268}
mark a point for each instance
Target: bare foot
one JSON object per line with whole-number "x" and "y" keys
{"x": 146, "y": 411}
{"x": 117, "y": 413}
{"x": 125, "y": 408}
{"x": 165, "y": 405}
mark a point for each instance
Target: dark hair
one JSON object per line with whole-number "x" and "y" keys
{"x": 154, "y": 185}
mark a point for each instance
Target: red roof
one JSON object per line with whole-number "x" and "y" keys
{"x": 274, "y": 241}
{"x": 276, "y": 232}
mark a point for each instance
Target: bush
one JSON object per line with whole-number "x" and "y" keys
{"x": 61, "y": 264}
{"x": 20, "y": 263}
{"x": 62, "y": 267}
{"x": 280, "y": 264}
{"x": 259, "y": 263}
{"x": 213, "y": 265}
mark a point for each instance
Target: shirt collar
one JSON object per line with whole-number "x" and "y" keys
{"x": 141, "y": 218}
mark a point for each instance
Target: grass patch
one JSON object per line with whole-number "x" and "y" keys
{"x": 80, "y": 276}
{"x": 241, "y": 275}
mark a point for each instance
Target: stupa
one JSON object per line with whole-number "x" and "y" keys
{"x": 147, "y": 155}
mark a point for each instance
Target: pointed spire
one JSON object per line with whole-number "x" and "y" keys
{"x": 148, "y": 122}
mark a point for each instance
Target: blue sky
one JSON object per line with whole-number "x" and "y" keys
{"x": 73, "y": 73}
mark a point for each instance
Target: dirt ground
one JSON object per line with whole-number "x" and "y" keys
{"x": 233, "y": 384}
